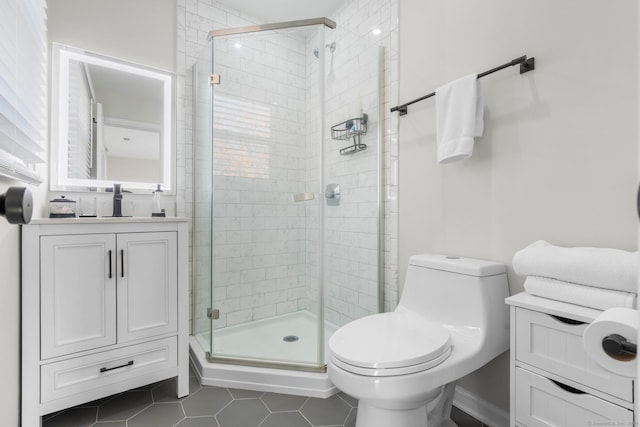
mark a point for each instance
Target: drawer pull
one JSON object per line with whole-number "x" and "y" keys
{"x": 567, "y": 320}
{"x": 568, "y": 388}
{"x": 129, "y": 363}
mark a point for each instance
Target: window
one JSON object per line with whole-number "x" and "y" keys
{"x": 23, "y": 88}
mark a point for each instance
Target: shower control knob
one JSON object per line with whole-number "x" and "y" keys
{"x": 332, "y": 194}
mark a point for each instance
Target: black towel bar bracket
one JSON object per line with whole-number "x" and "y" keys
{"x": 526, "y": 65}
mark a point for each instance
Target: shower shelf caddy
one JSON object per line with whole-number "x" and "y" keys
{"x": 351, "y": 128}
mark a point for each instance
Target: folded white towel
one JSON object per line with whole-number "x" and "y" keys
{"x": 459, "y": 110}
{"x": 599, "y": 267}
{"x": 587, "y": 296}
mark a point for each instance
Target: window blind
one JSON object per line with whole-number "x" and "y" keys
{"x": 23, "y": 88}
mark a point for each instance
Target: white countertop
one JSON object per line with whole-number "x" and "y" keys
{"x": 105, "y": 220}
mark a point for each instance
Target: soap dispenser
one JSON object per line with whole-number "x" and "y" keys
{"x": 156, "y": 209}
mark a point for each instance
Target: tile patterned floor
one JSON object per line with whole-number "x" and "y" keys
{"x": 157, "y": 406}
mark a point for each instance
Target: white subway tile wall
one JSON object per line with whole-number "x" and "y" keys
{"x": 259, "y": 144}
{"x": 267, "y": 149}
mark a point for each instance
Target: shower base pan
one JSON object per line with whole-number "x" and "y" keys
{"x": 287, "y": 339}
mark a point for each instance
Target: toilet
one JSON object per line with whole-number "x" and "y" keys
{"x": 402, "y": 366}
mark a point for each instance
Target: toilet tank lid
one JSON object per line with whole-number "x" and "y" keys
{"x": 456, "y": 264}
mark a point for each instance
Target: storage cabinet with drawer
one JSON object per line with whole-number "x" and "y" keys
{"x": 553, "y": 381}
{"x": 104, "y": 310}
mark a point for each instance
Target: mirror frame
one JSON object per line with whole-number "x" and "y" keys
{"x": 59, "y": 180}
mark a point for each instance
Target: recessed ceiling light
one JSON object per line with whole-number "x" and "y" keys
{"x": 376, "y": 31}
{"x": 237, "y": 45}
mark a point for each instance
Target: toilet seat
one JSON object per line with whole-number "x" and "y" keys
{"x": 389, "y": 344}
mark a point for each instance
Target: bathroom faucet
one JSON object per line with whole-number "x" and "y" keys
{"x": 117, "y": 200}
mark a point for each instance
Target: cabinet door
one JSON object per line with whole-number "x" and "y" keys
{"x": 78, "y": 293}
{"x": 147, "y": 285}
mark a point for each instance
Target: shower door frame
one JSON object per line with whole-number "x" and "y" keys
{"x": 210, "y": 357}
{"x": 269, "y": 27}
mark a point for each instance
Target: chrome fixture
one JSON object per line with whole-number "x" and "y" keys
{"x": 331, "y": 46}
{"x": 351, "y": 128}
{"x": 117, "y": 200}
{"x": 332, "y": 194}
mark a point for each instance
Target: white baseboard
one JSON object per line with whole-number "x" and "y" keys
{"x": 483, "y": 411}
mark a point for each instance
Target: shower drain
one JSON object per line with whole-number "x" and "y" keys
{"x": 290, "y": 338}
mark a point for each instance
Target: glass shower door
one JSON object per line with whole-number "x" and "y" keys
{"x": 277, "y": 267}
{"x": 266, "y": 156}
{"x": 202, "y": 226}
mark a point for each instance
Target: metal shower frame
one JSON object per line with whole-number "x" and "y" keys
{"x": 277, "y": 26}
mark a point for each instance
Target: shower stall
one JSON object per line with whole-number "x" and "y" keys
{"x": 287, "y": 201}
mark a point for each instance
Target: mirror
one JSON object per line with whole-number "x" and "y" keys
{"x": 111, "y": 123}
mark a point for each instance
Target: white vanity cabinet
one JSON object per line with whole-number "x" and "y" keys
{"x": 553, "y": 381}
{"x": 104, "y": 309}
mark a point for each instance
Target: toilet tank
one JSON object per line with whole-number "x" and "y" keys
{"x": 456, "y": 291}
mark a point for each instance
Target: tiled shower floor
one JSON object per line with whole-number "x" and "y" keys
{"x": 157, "y": 406}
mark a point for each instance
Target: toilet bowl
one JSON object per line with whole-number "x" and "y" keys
{"x": 402, "y": 366}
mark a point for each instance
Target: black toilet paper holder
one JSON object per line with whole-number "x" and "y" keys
{"x": 16, "y": 205}
{"x": 619, "y": 347}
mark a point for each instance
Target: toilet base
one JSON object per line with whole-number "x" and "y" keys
{"x": 433, "y": 413}
{"x": 372, "y": 416}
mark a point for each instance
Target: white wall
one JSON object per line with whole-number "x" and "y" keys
{"x": 558, "y": 159}
{"x": 141, "y": 31}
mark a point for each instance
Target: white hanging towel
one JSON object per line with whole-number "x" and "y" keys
{"x": 459, "y": 111}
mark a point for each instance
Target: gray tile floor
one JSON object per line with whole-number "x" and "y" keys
{"x": 157, "y": 406}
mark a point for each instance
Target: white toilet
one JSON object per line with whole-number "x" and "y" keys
{"x": 402, "y": 366}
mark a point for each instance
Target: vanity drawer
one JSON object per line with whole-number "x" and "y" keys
{"x": 72, "y": 376}
{"x": 555, "y": 345}
{"x": 541, "y": 402}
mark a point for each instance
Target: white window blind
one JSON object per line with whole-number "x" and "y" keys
{"x": 23, "y": 88}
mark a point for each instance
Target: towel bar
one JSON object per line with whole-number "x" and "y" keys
{"x": 526, "y": 65}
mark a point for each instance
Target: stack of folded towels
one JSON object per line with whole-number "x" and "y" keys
{"x": 599, "y": 278}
